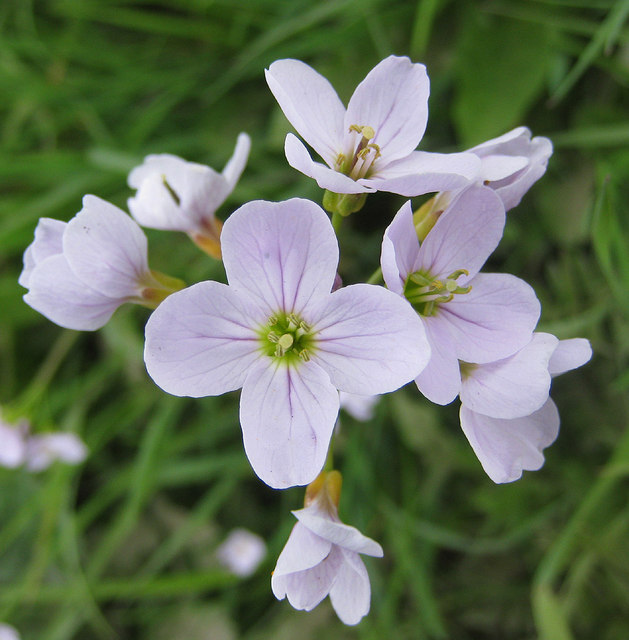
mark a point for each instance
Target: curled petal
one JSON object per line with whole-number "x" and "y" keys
{"x": 310, "y": 104}
{"x": 287, "y": 415}
{"x": 514, "y": 387}
{"x": 48, "y": 242}
{"x": 106, "y": 249}
{"x": 281, "y": 254}
{"x": 337, "y": 532}
{"x": 569, "y": 354}
{"x": 200, "y": 341}
{"x": 507, "y": 447}
{"x": 393, "y": 100}
{"x": 236, "y": 164}
{"x": 369, "y": 340}
{"x": 303, "y": 550}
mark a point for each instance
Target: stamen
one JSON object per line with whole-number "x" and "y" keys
{"x": 304, "y": 355}
{"x": 273, "y": 337}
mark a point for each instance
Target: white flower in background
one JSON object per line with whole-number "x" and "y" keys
{"x": 78, "y": 273}
{"x": 8, "y": 632}
{"x": 322, "y": 558}
{"x": 241, "y": 552}
{"x": 370, "y": 146}
{"x": 12, "y": 444}
{"x": 176, "y": 195}
{"x": 359, "y": 407}
{"x": 506, "y": 413}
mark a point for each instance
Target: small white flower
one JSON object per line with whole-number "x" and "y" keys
{"x": 42, "y": 450}
{"x": 241, "y": 552}
{"x": 8, "y": 632}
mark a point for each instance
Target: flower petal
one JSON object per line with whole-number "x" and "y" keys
{"x": 350, "y": 594}
{"x": 400, "y": 249}
{"x": 465, "y": 235}
{"x": 106, "y": 249}
{"x": 299, "y": 158}
{"x": 12, "y": 446}
{"x": 236, "y": 164}
{"x": 44, "y": 449}
{"x": 495, "y": 319}
{"x": 569, "y": 354}
{"x": 201, "y": 341}
{"x": 306, "y": 589}
{"x": 287, "y": 415}
{"x": 310, "y": 104}
{"x": 369, "y": 340}
{"x": 507, "y": 447}
{"x": 393, "y": 100}
{"x": 440, "y": 381}
{"x": 303, "y": 550}
{"x": 337, "y": 533}
{"x": 514, "y": 387}
{"x": 48, "y": 242}
{"x": 282, "y": 254}
{"x": 58, "y": 294}
{"x": 422, "y": 172}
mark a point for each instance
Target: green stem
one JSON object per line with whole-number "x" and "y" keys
{"x": 337, "y": 220}
{"x": 375, "y": 277}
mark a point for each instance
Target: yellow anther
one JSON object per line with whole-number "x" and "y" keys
{"x": 273, "y": 337}
{"x": 367, "y": 132}
{"x": 304, "y": 355}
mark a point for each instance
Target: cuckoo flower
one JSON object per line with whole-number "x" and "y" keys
{"x": 506, "y": 413}
{"x": 370, "y": 146}
{"x": 78, "y": 273}
{"x": 278, "y": 332}
{"x": 321, "y": 556}
{"x": 241, "y": 552}
{"x": 177, "y": 195}
{"x": 467, "y": 316}
{"x": 512, "y": 163}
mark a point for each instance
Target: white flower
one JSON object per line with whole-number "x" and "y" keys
{"x": 44, "y": 449}
{"x": 321, "y": 557}
{"x": 176, "y": 195}
{"x": 241, "y": 552}
{"x": 7, "y": 632}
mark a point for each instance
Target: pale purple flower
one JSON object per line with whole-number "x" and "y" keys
{"x": 176, "y": 195}
{"x": 469, "y": 316}
{"x": 44, "y": 449}
{"x": 278, "y": 332}
{"x": 322, "y": 558}
{"x": 241, "y": 552}
{"x": 506, "y": 413}
{"x": 12, "y": 444}
{"x": 7, "y": 632}
{"x": 78, "y": 273}
{"x": 512, "y": 163}
{"x": 370, "y": 146}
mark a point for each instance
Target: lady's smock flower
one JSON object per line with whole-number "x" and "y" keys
{"x": 241, "y": 552}
{"x": 278, "y": 332}
{"x": 78, "y": 273}
{"x": 321, "y": 557}
{"x": 506, "y": 413}
{"x": 371, "y": 145}
{"x": 176, "y": 195}
{"x": 467, "y": 316}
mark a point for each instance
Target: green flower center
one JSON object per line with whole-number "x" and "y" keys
{"x": 287, "y": 337}
{"x": 426, "y": 293}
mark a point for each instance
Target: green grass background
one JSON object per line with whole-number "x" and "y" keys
{"x": 123, "y": 547}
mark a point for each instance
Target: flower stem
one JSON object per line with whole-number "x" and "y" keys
{"x": 375, "y": 277}
{"x": 337, "y": 220}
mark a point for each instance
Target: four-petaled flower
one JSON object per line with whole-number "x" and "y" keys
{"x": 176, "y": 195}
{"x": 78, "y": 273}
{"x": 278, "y": 332}
{"x": 321, "y": 557}
{"x": 370, "y": 146}
{"x": 467, "y": 316}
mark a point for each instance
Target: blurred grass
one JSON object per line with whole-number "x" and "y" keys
{"x": 123, "y": 547}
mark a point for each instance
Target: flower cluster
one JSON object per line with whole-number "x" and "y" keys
{"x": 300, "y": 345}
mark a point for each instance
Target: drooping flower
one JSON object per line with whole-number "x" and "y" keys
{"x": 241, "y": 552}
{"x": 176, "y": 195}
{"x": 506, "y": 413}
{"x": 322, "y": 558}
{"x": 512, "y": 163}
{"x": 78, "y": 273}
{"x": 278, "y": 332}
{"x": 469, "y": 316}
{"x": 370, "y": 146}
